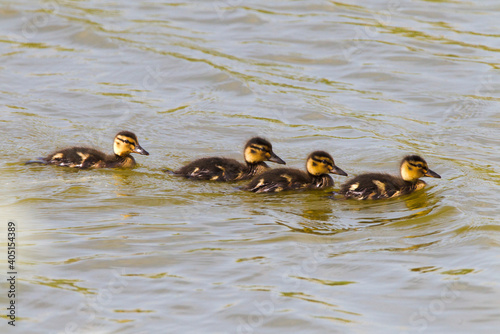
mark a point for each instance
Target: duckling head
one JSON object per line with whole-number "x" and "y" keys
{"x": 414, "y": 167}
{"x": 126, "y": 143}
{"x": 320, "y": 162}
{"x": 259, "y": 150}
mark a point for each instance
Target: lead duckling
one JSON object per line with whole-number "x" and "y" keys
{"x": 124, "y": 144}
{"x": 318, "y": 165}
{"x": 257, "y": 150}
{"x": 379, "y": 185}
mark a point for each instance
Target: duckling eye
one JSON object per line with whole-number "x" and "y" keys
{"x": 126, "y": 141}
{"x": 327, "y": 162}
{"x": 262, "y": 149}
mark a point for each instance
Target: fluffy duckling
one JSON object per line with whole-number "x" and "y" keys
{"x": 379, "y": 185}
{"x": 318, "y": 165}
{"x": 83, "y": 157}
{"x": 257, "y": 150}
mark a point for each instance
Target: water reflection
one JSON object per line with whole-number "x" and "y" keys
{"x": 317, "y": 213}
{"x": 368, "y": 82}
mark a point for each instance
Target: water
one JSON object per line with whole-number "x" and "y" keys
{"x": 115, "y": 251}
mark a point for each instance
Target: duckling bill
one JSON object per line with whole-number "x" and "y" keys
{"x": 257, "y": 151}
{"x": 125, "y": 143}
{"x": 379, "y": 185}
{"x": 318, "y": 165}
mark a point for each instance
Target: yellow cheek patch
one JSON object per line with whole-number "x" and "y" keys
{"x": 252, "y": 155}
{"x": 58, "y": 156}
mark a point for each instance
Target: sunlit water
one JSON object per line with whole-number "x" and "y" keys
{"x": 141, "y": 251}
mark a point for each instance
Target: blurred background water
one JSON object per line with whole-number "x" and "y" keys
{"x": 116, "y": 251}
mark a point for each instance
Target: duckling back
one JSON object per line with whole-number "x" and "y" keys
{"x": 378, "y": 185}
{"x": 125, "y": 143}
{"x": 276, "y": 180}
{"x": 214, "y": 168}
{"x": 84, "y": 157}
{"x": 283, "y": 179}
{"x": 256, "y": 151}
{"x": 318, "y": 165}
{"x": 79, "y": 157}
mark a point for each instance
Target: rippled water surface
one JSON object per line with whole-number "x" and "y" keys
{"x": 141, "y": 251}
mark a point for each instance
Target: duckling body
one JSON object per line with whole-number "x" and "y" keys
{"x": 257, "y": 150}
{"x": 125, "y": 143}
{"x": 283, "y": 179}
{"x": 379, "y": 185}
{"x": 318, "y": 165}
{"x": 220, "y": 169}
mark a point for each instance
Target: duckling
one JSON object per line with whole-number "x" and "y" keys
{"x": 318, "y": 165}
{"x": 83, "y": 157}
{"x": 257, "y": 150}
{"x": 379, "y": 185}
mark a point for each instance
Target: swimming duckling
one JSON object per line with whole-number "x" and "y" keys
{"x": 257, "y": 150}
{"x": 379, "y": 185}
{"x": 83, "y": 157}
{"x": 318, "y": 165}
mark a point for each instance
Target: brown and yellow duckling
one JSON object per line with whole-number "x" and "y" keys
{"x": 257, "y": 150}
{"x": 318, "y": 165}
{"x": 124, "y": 144}
{"x": 379, "y": 185}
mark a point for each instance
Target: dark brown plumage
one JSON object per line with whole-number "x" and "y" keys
{"x": 379, "y": 185}
{"x": 125, "y": 143}
{"x": 257, "y": 150}
{"x": 318, "y": 165}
